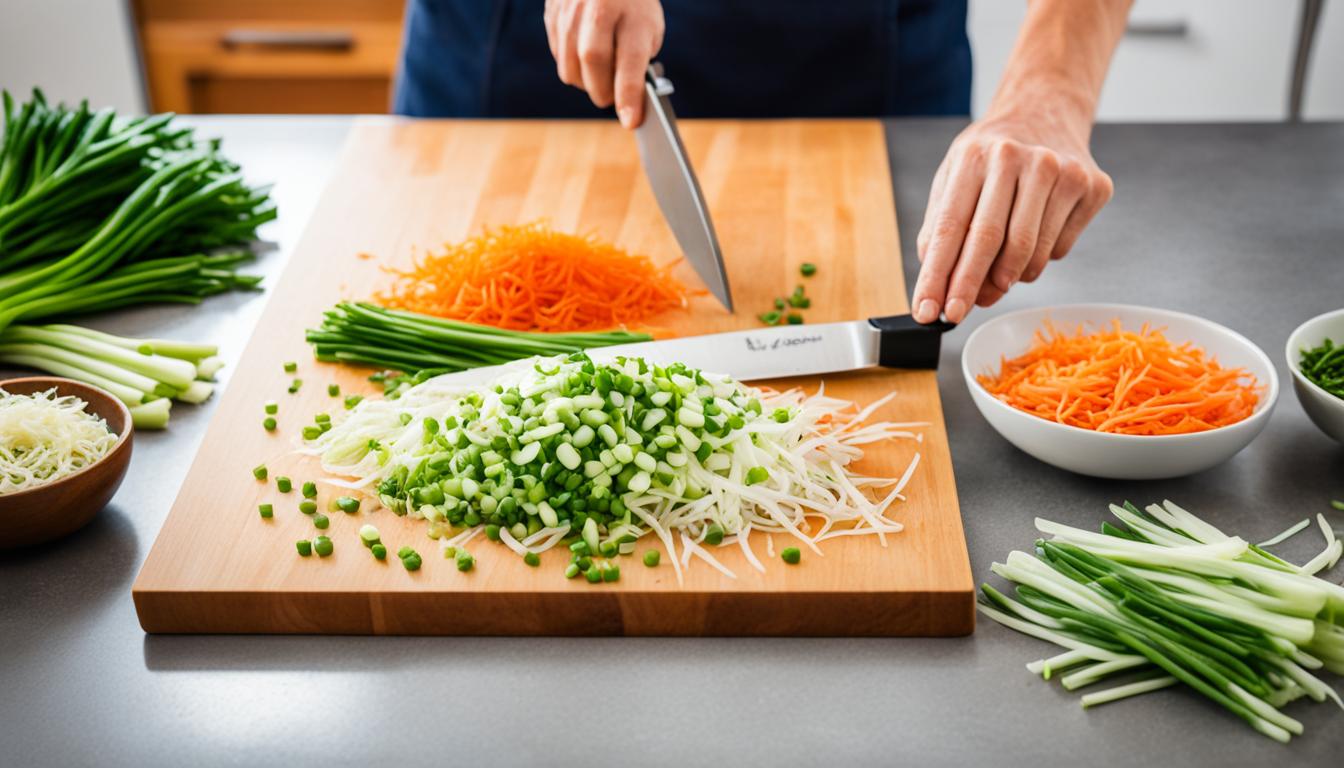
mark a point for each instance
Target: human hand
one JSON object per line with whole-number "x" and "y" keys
{"x": 604, "y": 47}
{"x": 1014, "y": 192}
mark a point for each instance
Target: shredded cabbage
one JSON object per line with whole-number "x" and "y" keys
{"x": 689, "y": 455}
{"x": 44, "y": 438}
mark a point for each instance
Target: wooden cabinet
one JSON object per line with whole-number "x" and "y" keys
{"x": 269, "y": 56}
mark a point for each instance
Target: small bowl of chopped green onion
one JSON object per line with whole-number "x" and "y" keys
{"x": 64, "y": 450}
{"x": 1315, "y": 354}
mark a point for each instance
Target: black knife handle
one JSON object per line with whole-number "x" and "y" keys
{"x": 908, "y": 344}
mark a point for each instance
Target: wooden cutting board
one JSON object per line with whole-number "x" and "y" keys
{"x": 781, "y": 192}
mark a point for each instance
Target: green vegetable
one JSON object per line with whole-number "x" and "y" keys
{"x": 347, "y": 504}
{"x": 611, "y": 573}
{"x": 283, "y": 484}
{"x": 780, "y": 303}
{"x": 142, "y": 373}
{"x": 294, "y": 386}
{"x": 808, "y": 269}
{"x": 1339, "y": 505}
{"x": 367, "y": 334}
{"x": 266, "y": 510}
{"x": 310, "y": 490}
{"x": 379, "y": 551}
{"x": 769, "y": 318}
{"x": 571, "y": 452}
{"x": 411, "y": 562}
{"x": 405, "y": 552}
{"x": 312, "y": 432}
{"x": 259, "y": 471}
{"x": 333, "y": 390}
{"x": 1168, "y": 596}
{"x": 291, "y": 367}
{"x": 323, "y": 546}
{"x": 652, "y": 557}
{"x": 791, "y": 555}
{"x": 272, "y": 407}
{"x": 321, "y": 521}
{"x": 532, "y": 559}
{"x": 352, "y": 400}
{"x": 304, "y": 546}
{"x": 795, "y": 318}
{"x": 308, "y": 507}
{"x": 465, "y": 562}
{"x": 268, "y": 423}
{"x": 1324, "y": 366}
{"x": 571, "y": 571}
{"x": 594, "y": 575}
{"x": 369, "y": 535}
{"x": 714, "y": 533}
{"x": 99, "y": 211}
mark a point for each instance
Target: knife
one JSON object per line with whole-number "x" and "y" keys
{"x": 776, "y": 353}
{"x": 675, "y": 186}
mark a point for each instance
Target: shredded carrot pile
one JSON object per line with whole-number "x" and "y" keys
{"x": 531, "y": 278}
{"x": 1126, "y": 382}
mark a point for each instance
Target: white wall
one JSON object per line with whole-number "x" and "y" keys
{"x": 72, "y": 50}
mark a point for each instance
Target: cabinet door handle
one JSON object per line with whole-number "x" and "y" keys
{"x": 325, "y": 40}
{"x": 1157, "y": 28}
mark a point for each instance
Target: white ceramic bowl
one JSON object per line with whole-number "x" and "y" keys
{"x": 1100, "y": 454}
{"x": 1325, "y": 410}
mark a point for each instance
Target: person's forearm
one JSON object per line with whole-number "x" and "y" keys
{"x": 1060, "y": 60}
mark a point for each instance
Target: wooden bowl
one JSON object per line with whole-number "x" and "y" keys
{"x": 62, "y": 507}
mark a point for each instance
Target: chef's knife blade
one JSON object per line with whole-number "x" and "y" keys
{"x": 781, "y": 351}
{"x": 675, "y": 186}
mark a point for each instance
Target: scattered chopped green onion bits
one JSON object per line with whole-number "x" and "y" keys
{"x": 272, "y": 407}
{"x": 323, "y": 546}
{"x": 294, "y": 385}
{"x": 347, "y": 504}
{"x": 259, "y": 472}
{"x": 1169, "y": 598}
{"x": 1323, "y": 366}
{"x": 309, "y": 490}
{"x": 266, "y": 510}
{"x": 304, "y": 546}
{"x": 652, "y": 557}
{"x": 308, "y": 507}
{"x": 791, "y": 555}
{"x": 321, "y": 521}
{"x": 532, "y": 559}
{"x": 379, "y": 551}
{"x": 268, "y": 423}
{"x": 291, "y": 367}
{"x": 283, "y": 484}
{"x": 808, "y": 269}
{"x": 569, "y": 452}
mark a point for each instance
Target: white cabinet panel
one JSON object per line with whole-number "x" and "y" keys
{"x": 1200, "y": 59}
{"x": 1325, "y": 82}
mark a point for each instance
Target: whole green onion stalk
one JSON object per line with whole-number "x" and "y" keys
{"x": 100, "y": 211}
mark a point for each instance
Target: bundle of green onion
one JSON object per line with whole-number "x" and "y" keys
{"x": 367, "y": 334}
{"x": 100, "y": 211}
{"x": 1168, "y": 598}
{"x": 145, "y": 374}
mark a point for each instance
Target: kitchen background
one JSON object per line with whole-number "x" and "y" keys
{"x": 1181, "y": 60}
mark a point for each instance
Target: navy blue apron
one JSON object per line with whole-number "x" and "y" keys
{"x": 728, "y": 58}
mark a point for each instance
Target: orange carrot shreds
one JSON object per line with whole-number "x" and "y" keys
{"x": 531, "y": 278}
{"x": 1125, "y": 382}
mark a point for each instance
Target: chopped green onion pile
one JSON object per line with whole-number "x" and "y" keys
{"x": 99, "y": 211}
{"x": 145, "y": 374}
{"x": 1324, "y": 367}
{"x": 1166, "y": 598}
{"x": 565, "y": 451}
{"x": 367, "y": 334}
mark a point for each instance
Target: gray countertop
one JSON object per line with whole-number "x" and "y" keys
{"x": 1241, "y": 224}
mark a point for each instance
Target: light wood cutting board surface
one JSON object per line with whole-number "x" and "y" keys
{"x": 781, "y": 193}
